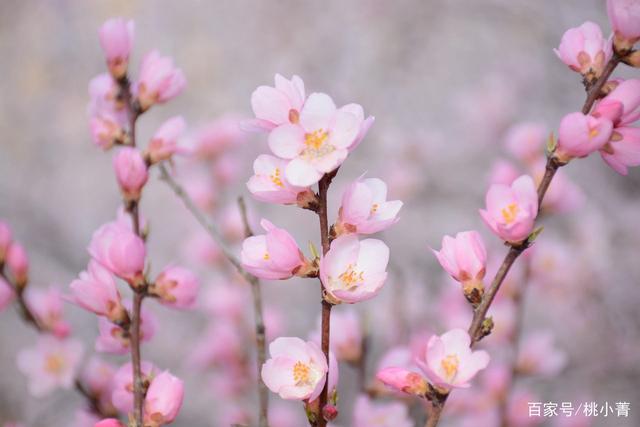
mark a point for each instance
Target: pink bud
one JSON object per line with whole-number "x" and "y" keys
{"x": 353, "y": 270}
{"x": 116, "y": 39}
{"x": 449, "y": 362}
{"x": 403, "y": 380}
{"x": 119, "y": 250}
{"x": 580, "y": 135}
{"x": 463, "y": 257}
{"x": 5, "y": 239}
{"x": 109, "y": 422}
{"x": 365, "y": 209}
{"x": 114, "y": 339}
{"x": 95, "y": 290}
{"x": 329, "y": 412}
{"x": 106, "y": 130}
{"x": 159, "y": 80}
{"x": 164, "y": 143}
{"x": 272, "y": 256}
{"x": 7, "y": 294}
{"x": 177, "y": 287}
{"x": 163, "y": 399}
{"x": 47, "y": 307}
{"x": 624, "y": 16}
{"x": 131, "y": 172}
{"x": 585, "y": 50}
{"x": 17, "y": 261}
{"x": 511, "y": 210}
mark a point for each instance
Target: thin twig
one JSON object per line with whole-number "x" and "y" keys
{"x": 478, "y": 328}
{"x": 263, "y": 392}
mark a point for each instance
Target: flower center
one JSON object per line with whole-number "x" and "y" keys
{"x": 450, "y": 366}
{"x": 276, "y": 178}
{"x": 510, "y": 212}
{"x": 351, "y": 277}
{"x": 315, "y": 144}
{"x": 594, "y": 132}
{"x": 294, "y": 116}
{"x": 374, "y": 208}
{"x": 266, "y": 256}
{"x": 301, "y": 373}
{"x": 54, "y": 364}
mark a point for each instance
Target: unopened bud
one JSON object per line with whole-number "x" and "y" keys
{"x": 329, "y": 412}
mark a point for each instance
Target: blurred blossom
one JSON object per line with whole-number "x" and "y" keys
{"x": 526, "y": 141}
{"x": 47, "y": 307}
{"x": 122, "y": 395}
{"x": 368, "y": 413}
{"x": 52, "y": 363}
{"x": 538, "y": 355}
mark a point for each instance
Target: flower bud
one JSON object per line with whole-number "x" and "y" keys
{"x": 580, "y": 135}
{"x": 585, "y": 50}
{"x": 18, "y": 263}
{"x": 329, "y": 412}
{"x": 164, "y": 143}
{"x": 131, "y": 172}
{"x": 159, "y": 80}
{"x": 163, "y": 400}
{"x": 176, "y": 287}
{"x": 403, "y": 380}
{"x": 116, "y": 39}
{"x": 624, "y": 16}
{"x": 119, "y": 250}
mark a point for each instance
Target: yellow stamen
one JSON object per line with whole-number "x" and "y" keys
{"x": 266, "y": 256}
{"x": 510, "y": 212}
{"x": 315, "y": 139}
{"x": 301, "y": 372}
{"x": 450, "y": 366}
{"x": 351, "y": 277}
{"x": 276, "y": 178}
{"x": 54, "y": 364}
{"x": 374, "y": 208}
{"x": 593, "y": 133}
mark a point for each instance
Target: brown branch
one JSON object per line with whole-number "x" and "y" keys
{"x": 323, "y": 189}
{"x": 263, "y": 392}
{"x": 480, "y": 325}
{"x": 139, "y": 292}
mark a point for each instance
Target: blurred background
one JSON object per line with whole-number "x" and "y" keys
{"x": 446, "y": 81}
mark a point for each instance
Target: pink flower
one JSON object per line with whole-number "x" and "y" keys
{"x": 106, "y": 130}
{"x": 109, "y": 422}
{"x": 268, "y": 184}
{"x": 103, "y": 94}
{"x": 116, "y": 39}
{"x": 449, "y": 362}
{"x": 622, "y": 105}
{"x": 275, "y": 106}
{"x": 17, "y": 261}
{"x": 176, "y": 286}
{"x": 131, "y": 172}
{"x": 5, "y": 239}
{"x": 624, "y": 16}
{"x": 368, "y": 414}
{"x": 7, "y": 295}
{"x": 526, "y": 141}
{"x": 580, "y": 135}
{"x": 163, "y": 399}
{"x": 539, "y": 355}
{"x": 463, "y": 257}
{"x": 119, "y": 250}
{"x": 274, "y": 255}
{"x": 51, "y": 364}
{"x": 164, "y": 143}
{"x": 623, "y": 150}
{"x": 95, "y": 290}
{"x": 319, "y": 143}
{"x": 113, "y": 339}
{"x": 511, "y": 210}
{"x": 47, "y": 307}
{"x": 365, "y": 209}
{"x": 159, "y": 80}
{"x": 296, "y": 370}
{"x": 354, "y": 270}
{"x": 585, "y": 50}
{"x": 403, "y": 380}
{"x": 122, "y": 395}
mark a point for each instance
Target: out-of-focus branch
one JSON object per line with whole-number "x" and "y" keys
{"x": 480, "y": 325}
{"x": 217, "y": 237}
{"x": 263, "y": 392}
